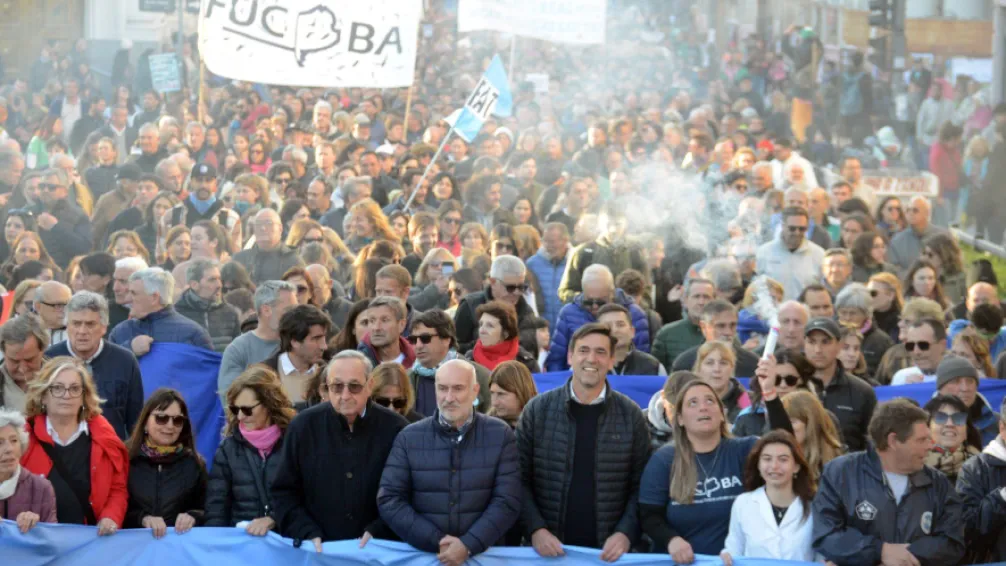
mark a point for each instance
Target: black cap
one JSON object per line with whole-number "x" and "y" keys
{"x": 204, "y": 170}
{"x": 824, "y": 324}
{"x": 129, "y": 172}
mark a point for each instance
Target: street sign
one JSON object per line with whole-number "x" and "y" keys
{"x": 192, "y": 6}
{"x": 164, "y": 73}
{"x": 162, "y": 6}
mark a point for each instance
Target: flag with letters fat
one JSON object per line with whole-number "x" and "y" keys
{"x": 490, "y": 97}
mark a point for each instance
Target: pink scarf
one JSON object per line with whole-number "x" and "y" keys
{"x": 263, "y": 439}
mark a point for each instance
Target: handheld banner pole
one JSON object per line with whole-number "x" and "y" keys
{"x": 513, "y": 55}
{"x": 440, "y": 149}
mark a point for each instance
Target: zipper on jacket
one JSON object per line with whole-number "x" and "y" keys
{"x": 157, "y": 493}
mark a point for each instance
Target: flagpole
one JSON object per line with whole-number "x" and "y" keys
{"x": 440, "y": 149}
{"x": 201, "y": 109}
{"x": 513, "y": 55}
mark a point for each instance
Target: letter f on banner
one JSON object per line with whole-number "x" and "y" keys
{"x": 490, "y": 97}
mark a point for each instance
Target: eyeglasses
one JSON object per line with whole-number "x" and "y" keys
{"x": 594, "y": 303}
{"x": 791, "y": 380}
{"x": 398, "y": 403}
{"x": 958, "y": 418}
{"x": 49, "y": 186}
{"x": 424, "y": 338}
{"x": 521, "y": 287}
{"x": 503, "y": 246}
{"x": 58, "y": 306}
{"x": 284, "y": 181}
{"x": 923, "y": 346}
{"x": 795, "y": 229}
{"x": 246, "y": 411}
{"x": 62, "y": 391}
{"x": 449, "y": 220}
{"x": 177, "y": 420}
{"x": 338, "y": 387}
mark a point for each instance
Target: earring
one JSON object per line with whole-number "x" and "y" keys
{"x": 795, "y": 474}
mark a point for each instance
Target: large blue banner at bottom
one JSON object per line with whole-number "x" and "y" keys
{"x": 71, "y": 545}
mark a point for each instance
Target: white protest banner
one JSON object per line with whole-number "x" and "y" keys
{"x": 902, "y": 183}
{"x": 560, "y": 21}
{"x": 324, "y": 43}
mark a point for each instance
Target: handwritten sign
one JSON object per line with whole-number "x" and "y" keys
{"x": 311, "y": 42}
{"x": 902, "y": 183}
{"x": 561, "y": 21}
{"x": 164, "y": 73}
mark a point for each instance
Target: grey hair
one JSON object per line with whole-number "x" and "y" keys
{"x": 507, "y": 266}
{"x": 321, "y": 104}
{"x": 18, "y": 329}
{"x": 368, "y": 366}
{"x": 598, "y": 272}
{"x": 156, "y": 280}
{"x": 841, "y": 252}
{"x": 697, "y": 281}
{"x": 12, "y": 418}
{"x": 148, "y": 127}
{"x": 193, "y": 125}
{"x": 88, "y": 301}
{"x": 724, "y": 273}
{"x": 61, "y": 176}
{"x": 296, "y": 153}
{"x": 351, "y": 188}
{"x": 855, "y": 296}
{"x": 268, "y": 291}
{"x": 197, "y": 268}
{"x": 394, "y": 303}
{"x": 39, "y": 294}
{"x": 133, "y": 263}
{"x": 761, "y": 165}
{"x": 929, "y": 205}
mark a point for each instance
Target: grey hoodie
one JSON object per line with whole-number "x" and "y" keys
{"x": 661, "y": 432}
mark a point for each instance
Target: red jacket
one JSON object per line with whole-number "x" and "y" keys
{"x": 945, "y": 163}
{"x": 109, "y": 465}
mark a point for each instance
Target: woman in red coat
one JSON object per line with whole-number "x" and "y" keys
{"x": 75, "y": 448}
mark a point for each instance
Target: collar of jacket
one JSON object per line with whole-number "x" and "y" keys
{"x": 917, "y": 479}
{"x": 567, "y": 399}
{"x": 158, "y": 315}
{"x": 361, "y": 422}
{"x": 839, "y": 378}
{"x": 448, "y": 430}
{"x": 189, "y": 297}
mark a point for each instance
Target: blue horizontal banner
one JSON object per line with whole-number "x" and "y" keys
{"x": 640, "y": 388}
{"x": 72, "y": 545}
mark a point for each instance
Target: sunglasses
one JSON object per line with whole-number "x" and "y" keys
{"x": 958, "y": 418}
{"x": 49, "y": 186}
{"x": 795, "y": 229}
{"x": 451, "y": 221}
{"x": 594, "y": 303}
{"x": 398, "y": 403}
{"x": 246, "y": 411}
{"x": 503, "y": 246}
{"x": 424, "y": 338}
{"x": 178, "y": 420}
{"x": 521, "y": 287}
{"x": 791, "y": 380}
{"x": 337, "y": 388}
{"x": 923, "y": 346}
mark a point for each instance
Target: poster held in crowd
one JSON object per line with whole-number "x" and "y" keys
{"x": 165, "y": 75}
{"x": 321, "y": 43}
{"x": 902, "y": 183}
{"x": 579, "y": 22}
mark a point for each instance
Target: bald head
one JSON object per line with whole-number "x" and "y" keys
{"x": 50, "y": 302}
{"x": 918, "y": 213}
{"x": 268, "y": 229}
{"x": 456, "y": 388}
{"x": 793, "y": 317}
{"x": 981, "y": 293}
{"x": 322, "y": 281}
{"x": 795, "y": 197}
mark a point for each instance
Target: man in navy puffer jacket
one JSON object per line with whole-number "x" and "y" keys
{"x": 451, "y": 484}
{"x": 598, "y": 290}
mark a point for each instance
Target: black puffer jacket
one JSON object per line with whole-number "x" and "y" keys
{"x": 166, "y": 490}
{"x": 240, "y": 482}
{"x": 545, "y": 441}
{"x": 979, "y": 484}
{"x": 221, "y": 320}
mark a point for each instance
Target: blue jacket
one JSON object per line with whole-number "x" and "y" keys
{"x": 117, "y": 375}
{"x": 748, "y": 323}
{"x": 996, "y": 346}
{"x": 434, "y": 485}
{"x": 549, "y": 274}
{"x": 165, "y": 325}
{"x": 573, "y": 316}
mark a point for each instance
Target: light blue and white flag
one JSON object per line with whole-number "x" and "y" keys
{"x": 490, "y": 97}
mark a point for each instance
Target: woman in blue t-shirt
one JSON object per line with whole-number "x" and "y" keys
{"x": 687, "y": 490}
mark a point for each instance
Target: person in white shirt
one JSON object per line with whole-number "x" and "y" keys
{"x": 772, "y": 519}
{"x": 925, "y": 342}
{"x": 790, "y": 258}
{"x": 785, "y": 158}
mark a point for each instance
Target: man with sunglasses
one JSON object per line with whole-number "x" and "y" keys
{"x": 906, "y": 246}
{"x": 115, "y": 369}
{"x": 850, "y": 398}
{"x": 64, "y": 228}
{"x": 926, "y": 343}
{"x": 507, "y": 282}
{"x": 302, "y": 344}
{"x": 598, "y": 290}
{"x": 791, "y": 258}
{"x": 451, "y": 484}
{"x": 49, "y": 303}
{"x": 432, "y": 335}
{"x": 332, "y": 459}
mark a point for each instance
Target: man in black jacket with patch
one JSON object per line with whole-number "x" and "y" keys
{"x": 583, "y": 447}
{"x": 333, "y": 457}
{"x": 981, "y": 484}
{"x": 885, "y": 505}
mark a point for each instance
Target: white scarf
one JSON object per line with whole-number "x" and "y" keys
{"x": 7, "y": 487}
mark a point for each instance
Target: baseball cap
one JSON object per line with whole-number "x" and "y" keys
{"x": 204, "y": 170}
{"x": 824, "y": 324}
{"x": 129, "y": 172}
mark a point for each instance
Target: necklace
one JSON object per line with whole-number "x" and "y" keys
{"x": 779, "y": 513}
{"x": 716, "y": 456}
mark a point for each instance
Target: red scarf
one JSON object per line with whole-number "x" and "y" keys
{"x": 492, "y": 356}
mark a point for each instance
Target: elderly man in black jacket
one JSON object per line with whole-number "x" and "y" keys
{"x": 583, "y": 447}
{"x": 333, "y": 456}
{"x": 885, "y": 505}
{"x": 507, "y": 282}
{"x": 202, "y": 304}
{"x": 982, "y": 487}
{"x": 64, "y": 228}
{"x": 451, "y": 484}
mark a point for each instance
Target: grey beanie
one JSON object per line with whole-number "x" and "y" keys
{"x": 952, "y": 367}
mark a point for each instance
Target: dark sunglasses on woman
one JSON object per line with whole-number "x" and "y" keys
{"x": 958, "y": 419}
{"x": 791, "y": 380}
{"x": 398, "y": 403}
{"x": 178, "y": 420}
{"x": 247, "y": 411}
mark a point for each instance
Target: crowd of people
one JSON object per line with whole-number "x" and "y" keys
{"x": 382, "y": 315}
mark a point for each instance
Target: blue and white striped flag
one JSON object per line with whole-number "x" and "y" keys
{"x": 490, "y": 97}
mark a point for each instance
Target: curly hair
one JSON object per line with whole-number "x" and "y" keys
{"x": 268, "y": 390}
